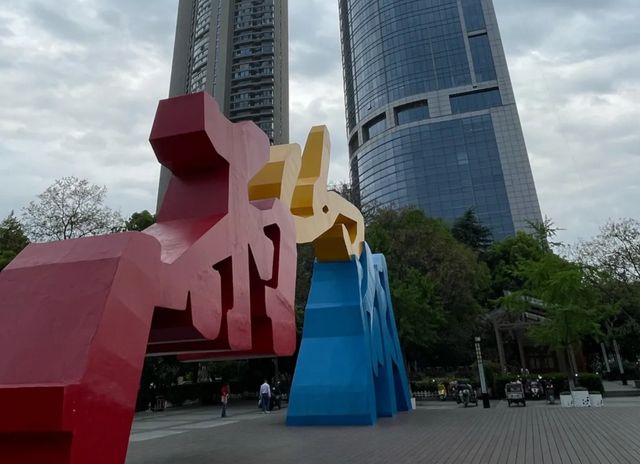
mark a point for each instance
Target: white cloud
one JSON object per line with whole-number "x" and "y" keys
{"x": 78, "y": 95}
{"x": 80, "y": 80}
{"x": 316, "y": 78}
{"x": 575, "y": 71}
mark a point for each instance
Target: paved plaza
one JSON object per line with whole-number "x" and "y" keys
{"x": 434, "y": 433}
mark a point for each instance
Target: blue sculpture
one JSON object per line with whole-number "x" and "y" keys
{"x": 350, "y": 368}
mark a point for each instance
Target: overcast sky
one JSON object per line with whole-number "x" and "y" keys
{"x": 80, "y": 80}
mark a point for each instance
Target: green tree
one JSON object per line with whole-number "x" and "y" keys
{"x": 349, "y": 192}
{"x": 469, "y": 230}
{"x": 436, "y": 283}
{"x": 615, "y": 250}
{"x": 612, "y": 264}
{"x": 70, "y": 208}
{"x": 421, "y": 314}
{"x": 304, "y": 270}
{"x": 544, "y": 232}
{"x": 504, "y": 259}
{"x": 140, "y": 220}
{"x": 12, "y": 239}
{"x": 573, "y": 308}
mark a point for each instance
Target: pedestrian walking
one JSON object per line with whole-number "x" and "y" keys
{"x": 265, "y": 397}
{"x": 224, "y": 398}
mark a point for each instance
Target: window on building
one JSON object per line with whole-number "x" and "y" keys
{"x": 415, "y": 111}
{"x": 482, "y": 58}
{"x": 473, "y": 15}
{"x": 462, "y": 158}
{"x": 474, "y": 101}
{"x": 375, "y": 127}
{"x": 353, "y": 144}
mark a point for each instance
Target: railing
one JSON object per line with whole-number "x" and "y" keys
{"x": 425, "y": 395}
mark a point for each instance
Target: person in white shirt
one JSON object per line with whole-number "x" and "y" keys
{"x": 265, "y": 397}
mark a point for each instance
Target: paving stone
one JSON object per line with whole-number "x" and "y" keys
{"x": 436, "y": 433}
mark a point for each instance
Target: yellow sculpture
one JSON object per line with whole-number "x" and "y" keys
{"x": 335, "y": 226}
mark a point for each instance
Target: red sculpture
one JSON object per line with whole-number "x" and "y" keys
{"x": 216, "y": 274}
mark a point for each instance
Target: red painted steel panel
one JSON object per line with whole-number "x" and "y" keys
{"x": 216, "y": 272}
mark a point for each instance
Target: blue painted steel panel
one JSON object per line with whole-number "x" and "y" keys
{"x": 350, "y": 368}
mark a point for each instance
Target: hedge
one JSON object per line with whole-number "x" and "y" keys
{"x": 424, "y": 385}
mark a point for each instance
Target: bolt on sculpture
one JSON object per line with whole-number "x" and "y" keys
{"x": 214, "y": 277}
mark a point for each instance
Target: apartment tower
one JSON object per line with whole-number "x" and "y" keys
{"x": 236, "y": 50}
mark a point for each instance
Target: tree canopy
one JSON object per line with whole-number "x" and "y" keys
{"x": 436, "y": 283}
{"x": 504, "y": 259}
{"x": 615, "y": 250}
{"x": 612, "y": 264}
{"x": 469, "y": 230}
{"x": 140, "y": 220}
{"x": 70, "y": 208}
{"x": 12, "y": 239}
{"x": 573, "y": 308}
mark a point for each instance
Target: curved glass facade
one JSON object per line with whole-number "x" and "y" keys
{"x": 431, "y": 117}
{"x": 401, "y": 49}
{"x": 460, "y": 169}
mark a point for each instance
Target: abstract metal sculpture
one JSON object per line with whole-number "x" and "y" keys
{"x": 350, "y": 368}
{"x": 213, "y": 277}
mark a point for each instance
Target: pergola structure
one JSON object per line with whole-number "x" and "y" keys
{"x": 513, "y": 325}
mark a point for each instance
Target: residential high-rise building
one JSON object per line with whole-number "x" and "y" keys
{"x": 431, "y": 116}
{"x": 237, "y": 50}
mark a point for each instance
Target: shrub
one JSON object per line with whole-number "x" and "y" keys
{"x": 591, "y": 382}
{"x": 424, "y": 385}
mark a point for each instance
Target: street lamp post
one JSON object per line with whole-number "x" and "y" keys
{"x": 605, "y": 357}
{"x": 483, "y": 381}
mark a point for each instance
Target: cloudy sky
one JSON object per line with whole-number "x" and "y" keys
{"x": 80, "y": 79}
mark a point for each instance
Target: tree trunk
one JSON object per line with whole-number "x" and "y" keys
{"x": 523, "y": 363}
{"x": 500, "y": 343}
{"x": 605, "y": 357}
{"x": 572, "y": 371}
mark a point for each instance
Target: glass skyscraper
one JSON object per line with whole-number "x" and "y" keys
{"x": 431, "y": 116}
{"x": 237, "y": 50}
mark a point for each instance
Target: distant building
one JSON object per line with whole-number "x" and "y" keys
{"x": 431, "y": 116}
{"x": 237, "y": 50}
